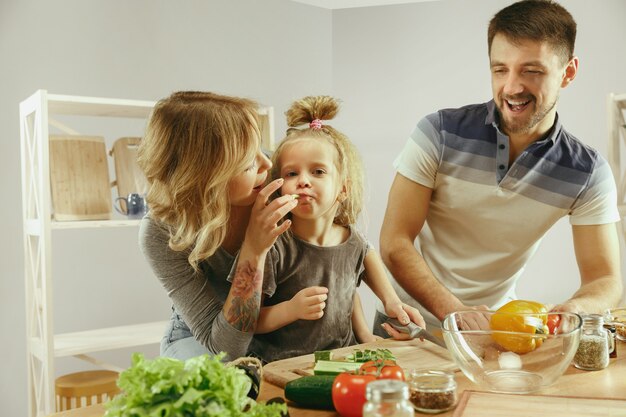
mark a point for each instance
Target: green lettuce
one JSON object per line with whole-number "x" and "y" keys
{"x": 198, "y": 387}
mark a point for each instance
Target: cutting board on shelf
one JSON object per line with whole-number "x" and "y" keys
{"x": 129, "y": 178}
{"x": 490, "y": 404}
{"x": 79, "y": 178}
{"x": 410, "y": 354}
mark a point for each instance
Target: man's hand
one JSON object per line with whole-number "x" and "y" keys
{"x": 569, "y": 306}
{"x": 405, "y": 314}
{"x": 474, "y": 321}
{"x": 309, "y": 303}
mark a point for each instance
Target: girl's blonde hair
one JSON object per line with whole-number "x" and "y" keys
{"x": 195, "y": 143}
{"x": 321, "y": 108}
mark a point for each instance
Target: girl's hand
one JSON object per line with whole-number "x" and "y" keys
{"x": 263, "y": 227}
{"x": 370, "y": 337}
{"x": 309, "y": 303}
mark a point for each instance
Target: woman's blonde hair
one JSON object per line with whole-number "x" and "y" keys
{"x": 322, "y": 108}
{"x": 195, "y": 143}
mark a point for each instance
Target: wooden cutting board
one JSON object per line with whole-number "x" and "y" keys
{"x": 489, "y": 404}
{"x": 410, "y": 354}
{"x": 129, "y": 178}
{"x": 79, "y": 178}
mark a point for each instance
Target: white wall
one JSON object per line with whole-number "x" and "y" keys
{"x": 273, "y": 51}
{"x": 395, "y": 64}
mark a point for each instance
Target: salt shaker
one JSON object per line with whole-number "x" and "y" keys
{"x": 593, "y": 350}
{"x": 387, "y": 398}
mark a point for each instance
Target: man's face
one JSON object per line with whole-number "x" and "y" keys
{"x": 526, "y": 77}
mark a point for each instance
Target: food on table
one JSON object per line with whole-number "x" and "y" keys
{"x": 383, "y": 369}
{"x": 334, "y": 367}
{"x": 370, "y": 355}
{"x": 520, "y": 316}
{"x": 349, "y": 393}
{"x": 201, "y": 387}
{"x": 553, "y": 323}
{"x": 324, "y": 355}
{"x": 312, "y": 391}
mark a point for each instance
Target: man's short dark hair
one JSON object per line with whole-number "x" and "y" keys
{"x": 537, "y": 20}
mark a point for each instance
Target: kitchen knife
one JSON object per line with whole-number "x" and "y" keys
{"x": 414, "y": 331}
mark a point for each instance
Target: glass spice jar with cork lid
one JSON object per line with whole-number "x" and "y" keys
{"x": 432, "y": 391}
{"x": 593, "y": 349}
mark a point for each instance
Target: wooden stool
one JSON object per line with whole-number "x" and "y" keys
{"x": 72, "y": 389}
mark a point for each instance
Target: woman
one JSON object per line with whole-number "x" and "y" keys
{"x": 210, "y": 213}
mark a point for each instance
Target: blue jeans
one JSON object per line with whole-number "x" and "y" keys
{"x": 178, "y": 341}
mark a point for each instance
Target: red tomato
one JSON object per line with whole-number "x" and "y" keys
{"x": 349, "y": 393}
{"x": 383, "y": 369}
{"x": 553, "y": 323}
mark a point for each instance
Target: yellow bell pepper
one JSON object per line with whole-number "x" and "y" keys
{"x": 520, "y": 316}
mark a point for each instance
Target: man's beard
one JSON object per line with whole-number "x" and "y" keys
{"x": 525, "y": 126}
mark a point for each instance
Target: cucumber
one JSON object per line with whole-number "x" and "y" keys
{"x": 335, "y": 367}
{"x": 311, "y": 391}
{"x": 323, "y": 355}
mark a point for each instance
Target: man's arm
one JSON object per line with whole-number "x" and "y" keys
{"x": 407, "y": 208}
{"x": 598, "y": 258}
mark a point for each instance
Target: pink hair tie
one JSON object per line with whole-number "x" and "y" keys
{"x": 315, "y": 124}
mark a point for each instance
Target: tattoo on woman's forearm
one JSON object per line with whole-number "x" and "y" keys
{"x": 246, "y": 302}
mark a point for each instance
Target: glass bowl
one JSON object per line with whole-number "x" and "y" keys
{"x": 617, "y": 317}
{"x": 511, "y": 361}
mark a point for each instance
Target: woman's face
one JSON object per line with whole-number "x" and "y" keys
{"x": 244, "y": 187}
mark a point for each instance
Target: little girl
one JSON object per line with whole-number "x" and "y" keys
{"x": 314, "y": 268}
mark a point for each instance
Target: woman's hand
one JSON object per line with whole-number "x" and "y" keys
{"x": 309, "y": 303}
{"x": 263, "y": 227}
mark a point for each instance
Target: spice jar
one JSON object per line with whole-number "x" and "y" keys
{"x": 593, "y": 350}
{"x": 432, "y": 391}
{"x": 387, "y": 398}
{"x": 613, "y": 342}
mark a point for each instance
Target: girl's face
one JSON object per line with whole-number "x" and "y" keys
{"x": 309, "y": 168}
{"x": 244, "y": 187}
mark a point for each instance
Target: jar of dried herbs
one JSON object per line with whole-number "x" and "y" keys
{"x": 432, "y": 391}
{"x": 593, "y": 350}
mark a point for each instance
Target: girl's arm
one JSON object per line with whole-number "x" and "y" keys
{"x": 307, "y": 304}
{"x": 376, "y": 279}
{"x": 359, "y": 324}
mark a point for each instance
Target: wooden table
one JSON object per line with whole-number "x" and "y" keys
{"x": 609, "y": 382}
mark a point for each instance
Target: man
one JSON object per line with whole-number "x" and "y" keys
{"x": 480, "y": 185}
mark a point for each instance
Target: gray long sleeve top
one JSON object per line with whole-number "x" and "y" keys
{"x": 197, "y": 296}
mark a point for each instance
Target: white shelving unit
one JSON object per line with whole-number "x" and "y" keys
{"x": 42, "y": 344}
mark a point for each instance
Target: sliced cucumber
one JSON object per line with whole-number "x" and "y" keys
{"x": 334, "y": 367}
{"x": 323, "y": 355}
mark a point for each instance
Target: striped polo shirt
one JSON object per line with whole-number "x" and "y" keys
{"x": 486, "y": 218}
